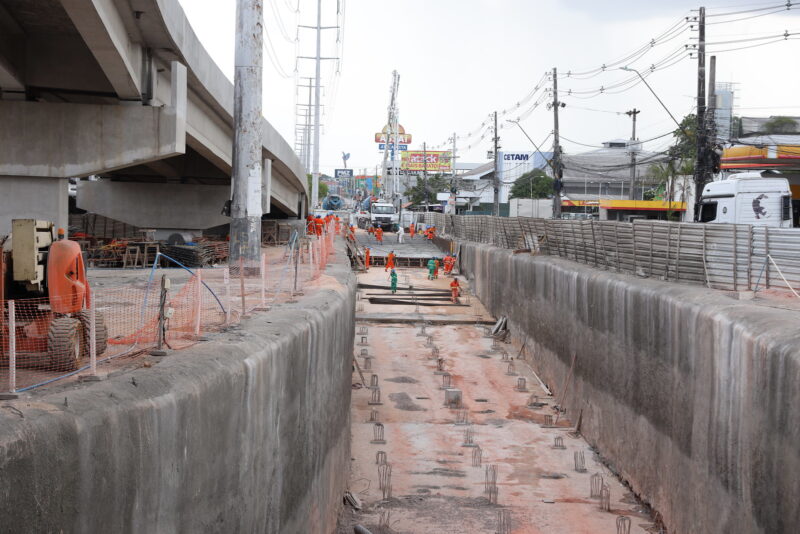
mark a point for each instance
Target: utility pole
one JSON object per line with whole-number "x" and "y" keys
{"x": 700, "y": 171}
{"x": 632, "y": 114}
{"x": 558, "y": 169}
{"x": 496, "y": 203}
{"x": 315, "y": 171}
{"x": 454, "y": 183}
{"x": 248, "y": 162}
{"x": 318, "y": 59}
{"x": 425, "y": 175}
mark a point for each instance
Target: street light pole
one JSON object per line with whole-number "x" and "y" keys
{"x": 631, "y": 69}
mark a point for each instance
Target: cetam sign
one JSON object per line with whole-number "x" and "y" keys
{"x": 387, "y": 137}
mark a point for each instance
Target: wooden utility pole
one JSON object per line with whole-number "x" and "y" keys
{"x": 632, "y": 114}
{"x": 558, "y": 168}
{"x": 248, "y": 165}
{"x": 496, "y": 203}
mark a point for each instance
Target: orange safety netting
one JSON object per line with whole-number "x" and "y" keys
{"x": 46, "y": 346}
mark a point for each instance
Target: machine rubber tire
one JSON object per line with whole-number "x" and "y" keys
{"x": 100, "y": 332}
{"x": 64, "y": 342}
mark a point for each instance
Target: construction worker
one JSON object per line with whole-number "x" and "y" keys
{"x": 379, "y": 234}
{"x": 319, "y": 225}
{"x": 455, "y": 290}
{"x": 371, "y": 230}
{"x": 366, "y": 258}
{"x": 393, "y": 279}
{"x": 431, "y": 268}
{"x": 400, "y": 233}
{"x": 436, "y": 269}
{"x": 449, "y": 263}
{"x": 310, "y": 224}
{"x": 390, "y": 261}
{"x": 338, "y": 224}
{"x": 446, "y": 263}
{"x": 412, "y": 229}
{"x": 431, "y": 232}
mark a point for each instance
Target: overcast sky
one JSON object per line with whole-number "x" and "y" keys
{"x": 459, "y": 60}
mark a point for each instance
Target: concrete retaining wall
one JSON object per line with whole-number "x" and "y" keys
{"x": 693, "y": 396}
{"x": 247, "y": 433}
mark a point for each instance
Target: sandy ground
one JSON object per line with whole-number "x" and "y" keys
{"x": 437, "y": 484}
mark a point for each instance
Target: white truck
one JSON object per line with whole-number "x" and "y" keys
{"x": 384, "y": 214}
{"x": 748, "y": 198}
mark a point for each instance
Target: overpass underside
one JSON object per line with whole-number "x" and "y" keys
{"x": 124, "y": 93}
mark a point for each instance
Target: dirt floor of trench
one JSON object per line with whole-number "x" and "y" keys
{"x": 439, "y": 483}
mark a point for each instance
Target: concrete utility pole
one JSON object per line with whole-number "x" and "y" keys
{"x": 315, "y": 171}
{"x": 632, "y": 114}
{"x": 700, "y": 172}
{"x": 454, "y": 185}
{"x": 496, "y": 204}
{"x": 558, "y": 170}
{"x": 425, "y": 174}
{"x": 248, "y": 163}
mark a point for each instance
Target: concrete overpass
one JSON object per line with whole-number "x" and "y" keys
{"x": 122, "y": 90}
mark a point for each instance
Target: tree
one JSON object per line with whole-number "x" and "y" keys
{"x": 323, "y": 187}
{"x": 425, "y": 190}
{"x": 685, "y": 147}
{"x": 682, "y": 154}
{"x": 780, "y": 125}
{"x": 533, "y": 184}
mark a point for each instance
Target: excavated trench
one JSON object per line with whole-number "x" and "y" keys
{"x": 691, "y": 395}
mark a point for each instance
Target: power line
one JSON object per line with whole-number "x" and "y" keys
{"x": 780, "y": 7}
{"x": 753, "y": 16}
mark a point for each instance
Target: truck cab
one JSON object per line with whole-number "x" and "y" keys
{"x": 384, "y": 214}
{"x": 747, "y": 198}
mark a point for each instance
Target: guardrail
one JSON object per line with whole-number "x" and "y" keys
{"x": 733, "y": 257}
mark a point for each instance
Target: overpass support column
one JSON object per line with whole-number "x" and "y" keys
{"x": 26, "y": 197}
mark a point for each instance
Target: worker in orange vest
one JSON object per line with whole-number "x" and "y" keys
{"x": 390, "y": 261}
{"x": 455, "y": 290}
{"x": 338, "y": 224}
{"x": 366, "y": 258}
{"x": 436, "y": 268}
{"x": 310, "y": 224}
{"x": 371, "y": 230}
{"x": 379, "y": 234}
{"x": 449, "y": 263}
{"x": 432, "y": 232}
{"x": 319, "y": 224}
{"x": 412, "y": 230}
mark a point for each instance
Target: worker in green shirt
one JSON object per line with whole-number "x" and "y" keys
{"x": 431, "y": 268}
{"x": 393, "y": 278}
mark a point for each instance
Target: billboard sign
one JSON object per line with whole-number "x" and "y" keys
{"x": 431, "y": 161}
{"x": 382, "y": 137}
{"x": 343, "y": 173}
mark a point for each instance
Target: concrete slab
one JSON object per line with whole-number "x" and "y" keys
{"x": 416, "y": 248}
